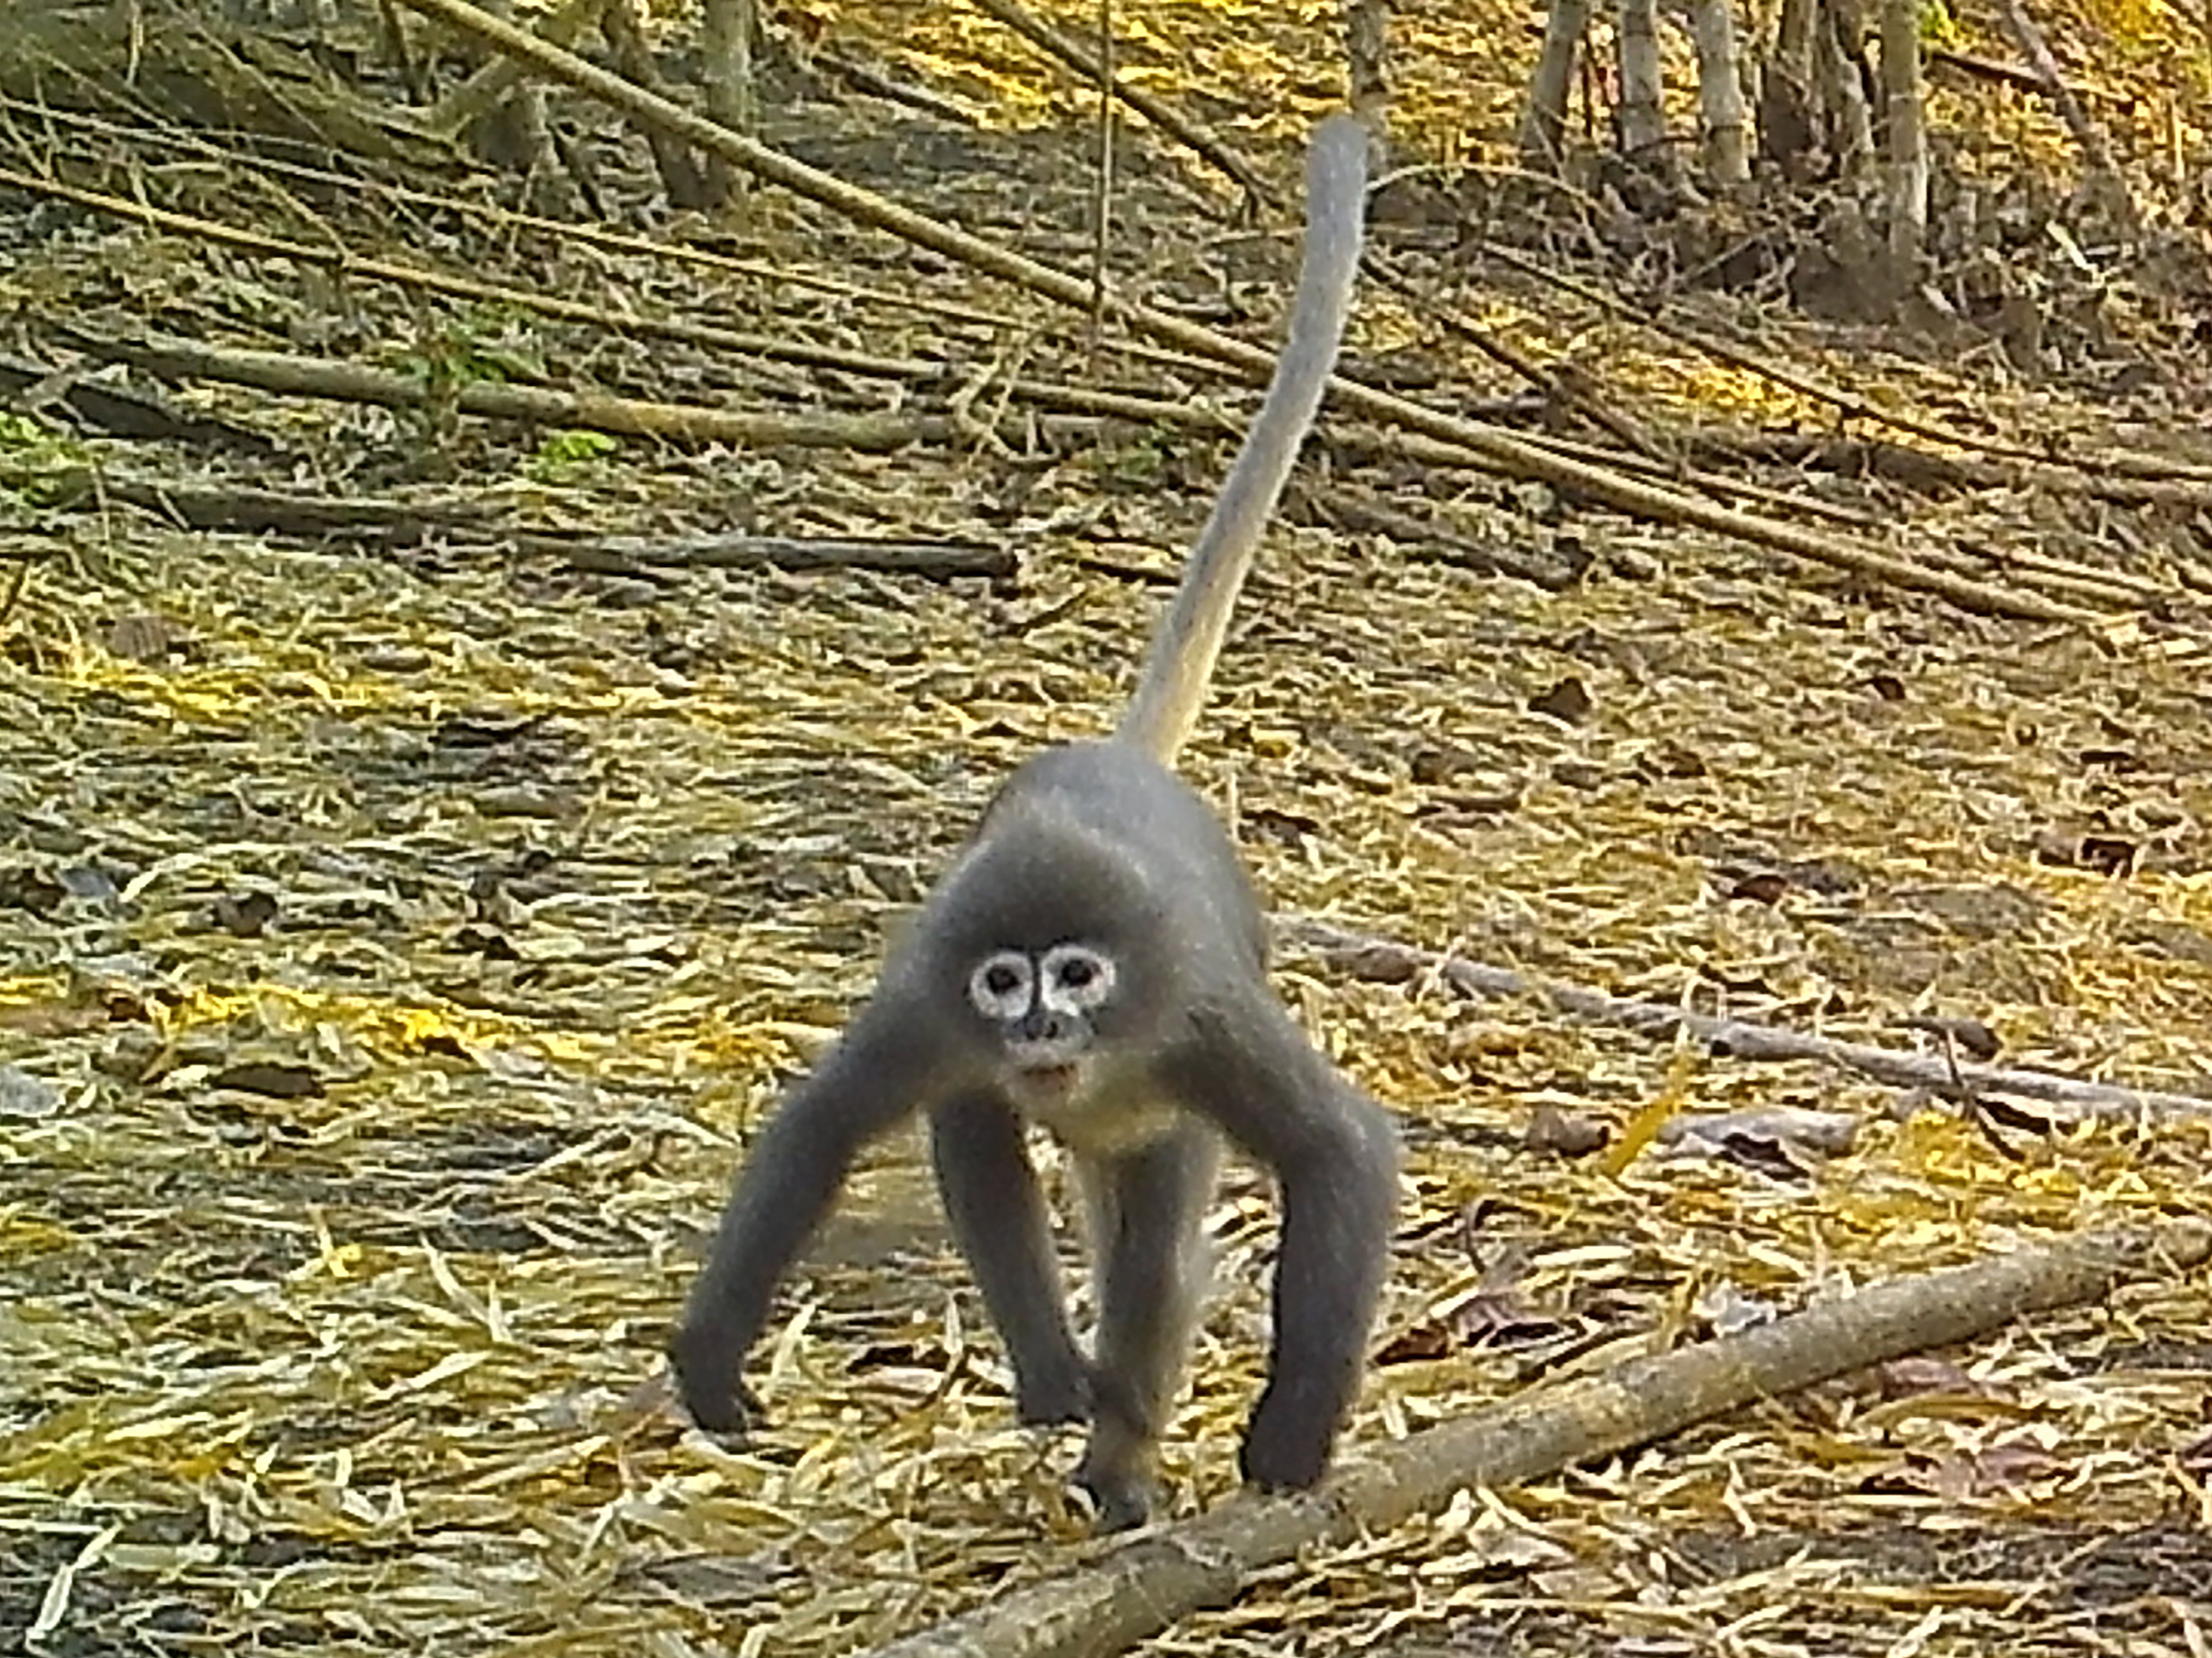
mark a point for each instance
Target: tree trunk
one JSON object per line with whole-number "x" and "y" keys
{"x": 689, "y": 181}
{"x": 511, "y": 133}
{"x": 1788, "y": 128}
{"x": 1815, "y": 118}
{"x": 1720, "y": 94}
{"x": 1905, "y": 141}
{"x": 1840, "y": 44}
{"x": 728, "y": 29}
{"x": 1642, "y": 120}
{"x": 1544, "y": 122}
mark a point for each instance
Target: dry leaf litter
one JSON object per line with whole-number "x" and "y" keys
{"x": 395, "y": 950}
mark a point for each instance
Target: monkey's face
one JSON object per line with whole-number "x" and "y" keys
{"x": 1043, "y": 1007}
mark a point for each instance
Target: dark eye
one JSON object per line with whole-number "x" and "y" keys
{"x": 1002, "y": 981}
{"x": 1077, "y": 972}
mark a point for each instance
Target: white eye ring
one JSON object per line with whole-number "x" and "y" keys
{"x": 1003, "y": 985}
{"x": 1076, "y": 978}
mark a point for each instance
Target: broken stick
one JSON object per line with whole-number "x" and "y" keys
{"x": 1387, "y": 961}
{"x": 1493, "y": 449}
{"x": 1135, "y": 1591}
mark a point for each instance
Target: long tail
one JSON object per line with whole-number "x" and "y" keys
{"x": 1181, "y": 664}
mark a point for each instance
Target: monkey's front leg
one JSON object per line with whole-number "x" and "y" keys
{"x": 1334, "y": 1153}
{"x": 874, "y": 1075}
{"x": 1340, "y": 1192}
{"x": 999, "y": 1220}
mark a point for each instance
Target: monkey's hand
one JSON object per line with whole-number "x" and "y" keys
{"x": 707, "y": 1382}
{"x": 1286, "y": 1447}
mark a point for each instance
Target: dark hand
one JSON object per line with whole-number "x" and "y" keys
{"x": 707, "y": 1382}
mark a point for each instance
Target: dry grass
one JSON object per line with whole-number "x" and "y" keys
{"x": 393, "y": 952}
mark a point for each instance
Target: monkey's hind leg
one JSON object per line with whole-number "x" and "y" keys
{"x": 999, "y": 1219}
{"x": 1153, "y": 1268}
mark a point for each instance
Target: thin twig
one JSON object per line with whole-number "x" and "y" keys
{"x": 897, "y": 555}
{"x": 1103, "y": 194}
{"x": 1389, "y": 960}
{"x": 1161, "y": 114}
{"x": 1499, "y": 451}
{"x": 290, "y": 375}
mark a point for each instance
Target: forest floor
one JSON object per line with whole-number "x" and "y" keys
{"x": 402, "y": 923}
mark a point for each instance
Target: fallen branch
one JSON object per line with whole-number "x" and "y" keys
{"x": 2105, "y": 173}
{"x": 1420, "y": 537}
{"x": 1160, "y": 114}
{"x": 1850, "y": 405}
{"x": 917, "y": 371}
{"x": 1498, "y": 450}
{"x": 2021, "y": 80}
{"x": 125, "y": 411}
{"x": 1928, "y": 473}
{"x": 773, "y": 348}
{"x": 1386, "y": 961}
{"x": 1073, "y": 399}
{"x": 244, "y": 509}
{"x": 1978, "y": 560}
{"x": 872, "y": 82}
{"x": 1139, "y": 1588}
{"x": 506, "y": 221}
{"x": 1563, "y": 392}
{"x": 619, "y": 555}
{"x": 289, "y": 375}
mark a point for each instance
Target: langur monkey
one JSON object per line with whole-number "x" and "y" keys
{"x": 1095, "y": 961}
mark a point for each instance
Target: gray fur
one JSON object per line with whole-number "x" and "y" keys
{"x": 999, "y": 1220}
{"x": 1163, "y": 1043}
{"x": 1181, "y": 664}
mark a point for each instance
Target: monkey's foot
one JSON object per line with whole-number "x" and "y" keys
{"x": 1116, "y": 1473}
{"x": 1118, "y": 1502}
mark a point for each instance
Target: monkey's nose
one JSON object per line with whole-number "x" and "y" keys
{"x": 1043, "y": 1026}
